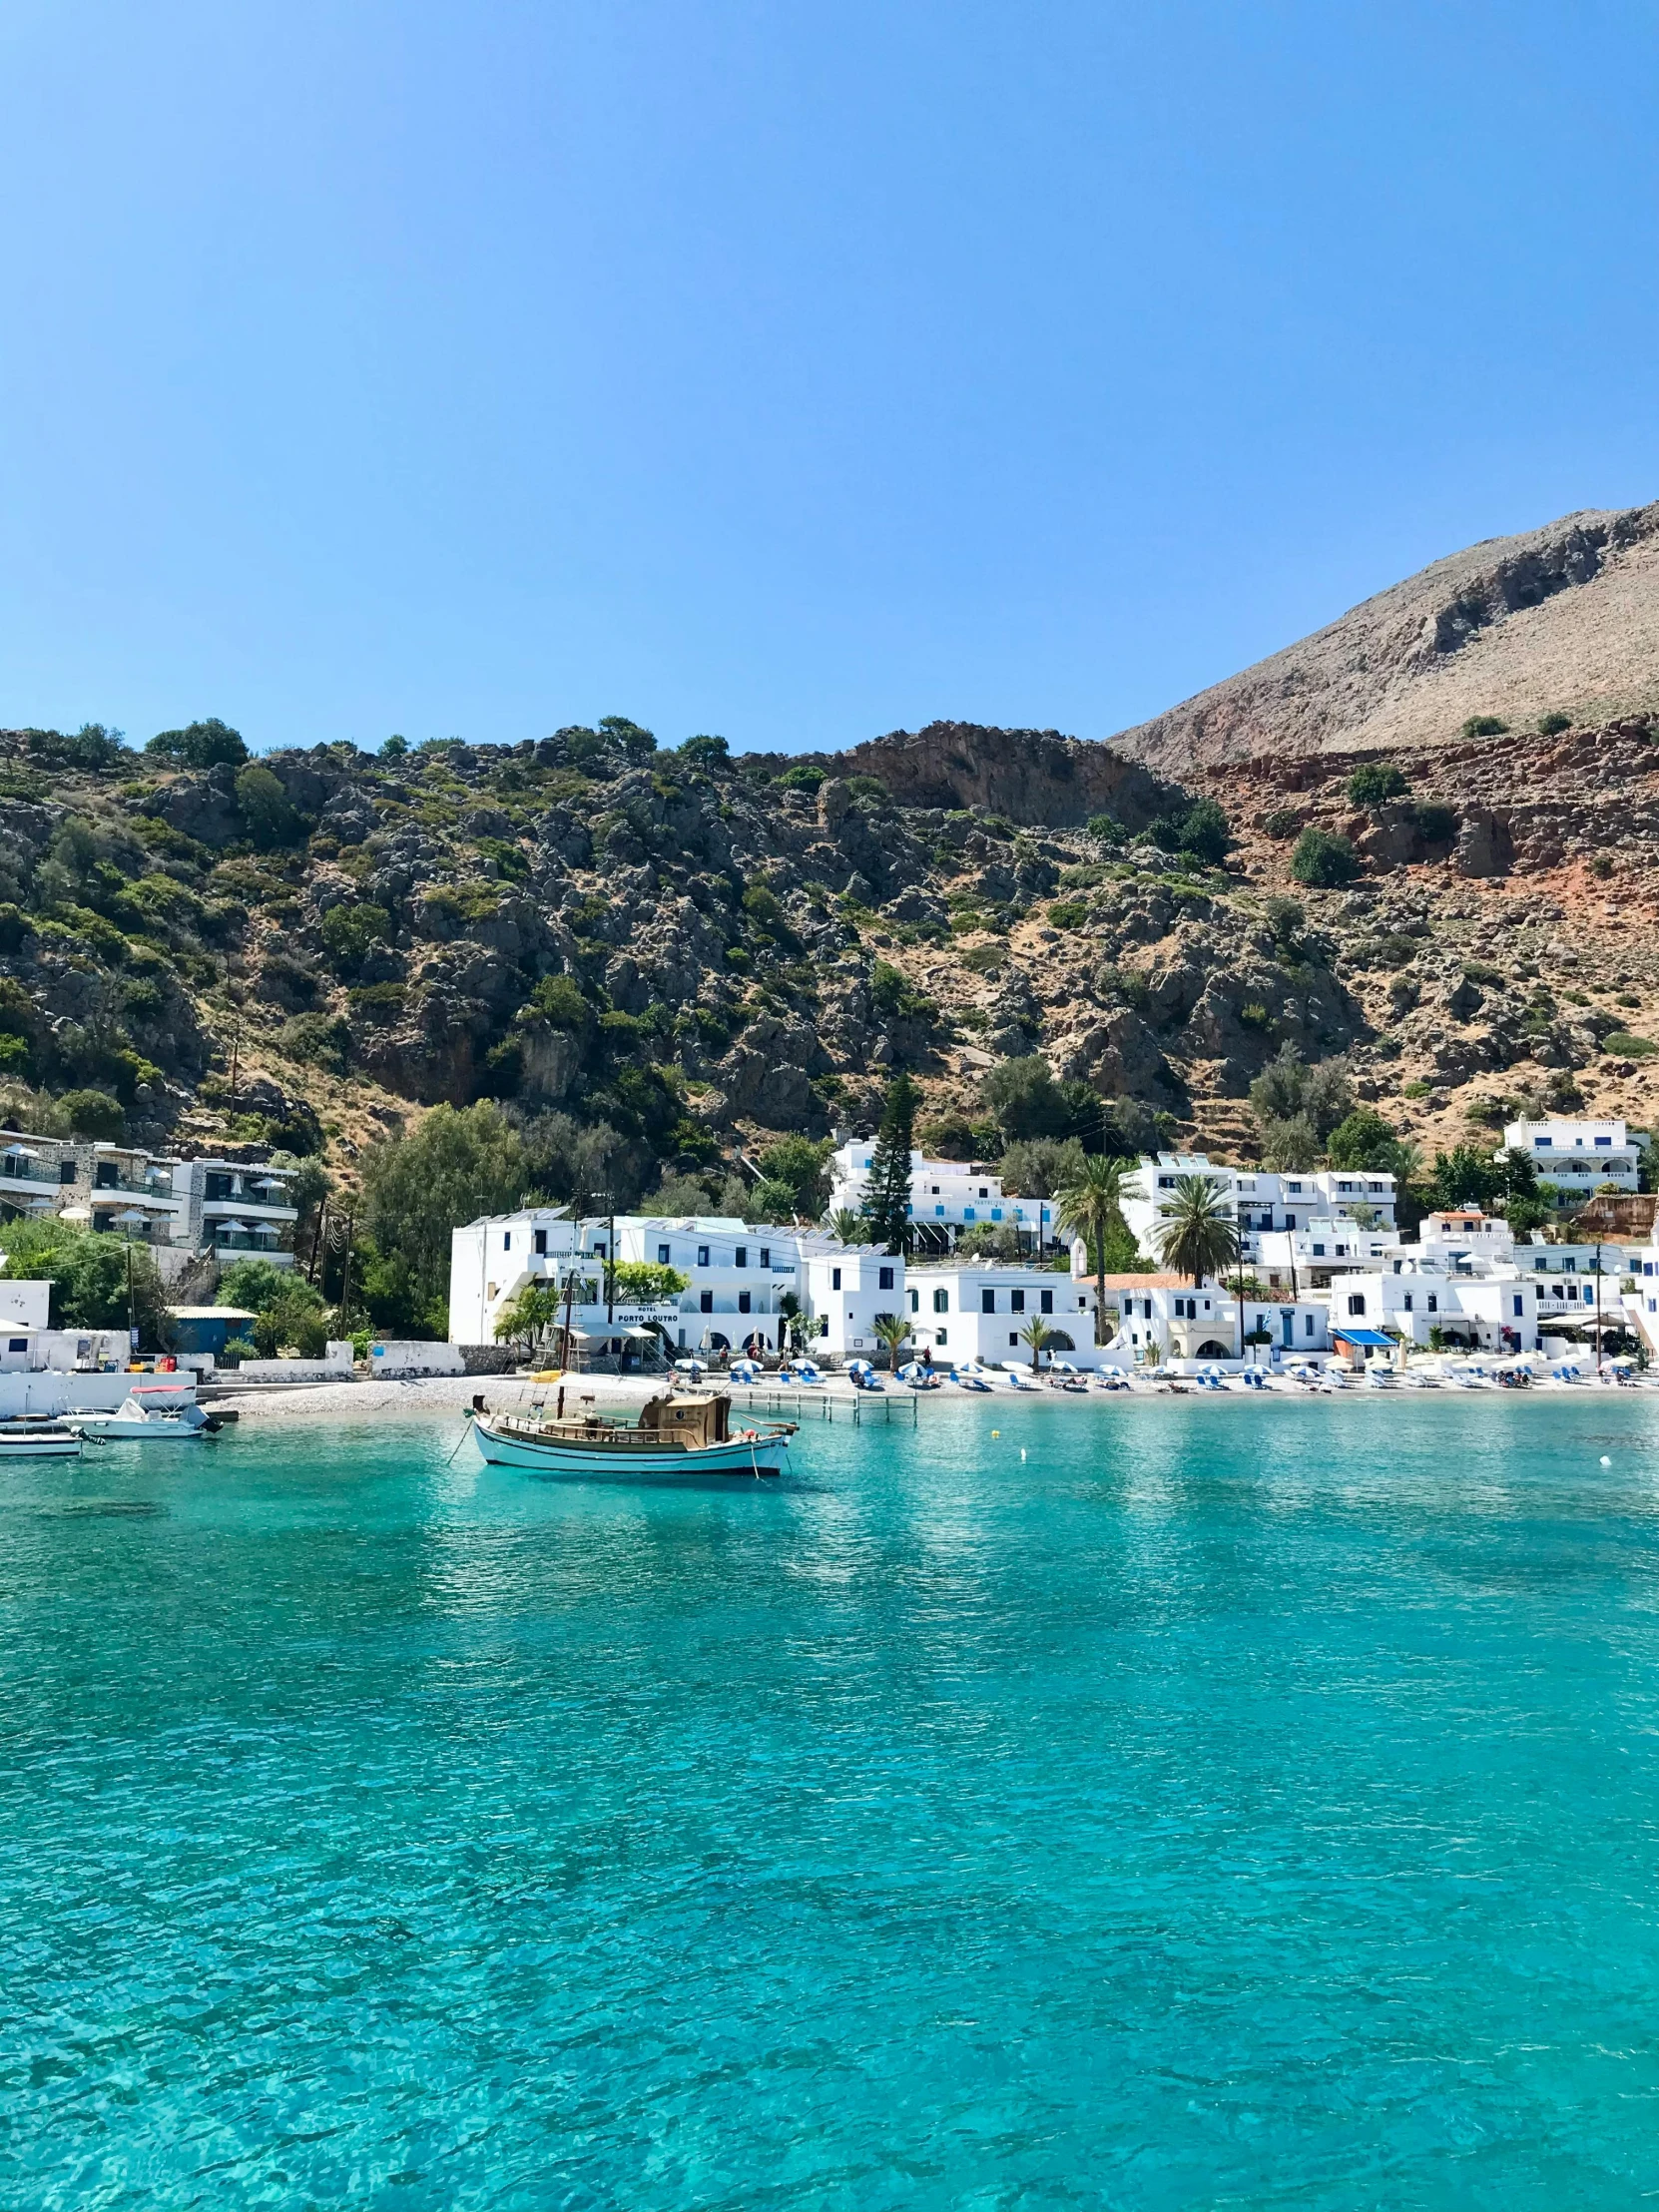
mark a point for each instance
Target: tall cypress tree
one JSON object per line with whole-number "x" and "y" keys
{"x": 886, "y": 1204}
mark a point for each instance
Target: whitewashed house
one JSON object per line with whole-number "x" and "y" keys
{"x": 845, "y": 1288}
{"x": 946, "y": 1196}
{"x": 1168, "y": 1315}
{"x": 1577, "y": 1155}
{"x": 975, "y": 1311}
{"x": 1262, "y": 1203}
{"x": 1413, "y": 1298}
{"x": 1312, "y": 1256}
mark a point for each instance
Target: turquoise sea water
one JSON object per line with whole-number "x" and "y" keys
{"x": 1223, "y": 1805}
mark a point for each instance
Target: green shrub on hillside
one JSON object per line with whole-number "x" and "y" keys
{"x": 1376, "y": 784}
{"x": 210, "y": 743}
{"x": 1484, "y": 726}
{"x": 1324, "y": 860}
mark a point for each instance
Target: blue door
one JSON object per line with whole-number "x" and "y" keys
{"x": 1287, "y": 1328}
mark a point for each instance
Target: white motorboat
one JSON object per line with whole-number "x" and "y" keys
{"x": 38, "y": 1440}
{"x": 684, "y": 1436}
{"x": 150, "y": 1414}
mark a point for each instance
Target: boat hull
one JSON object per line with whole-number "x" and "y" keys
{"x": 114, "y": 1431}
{"x": 735, "y": 1461}
{"x": 43, "y": 1447}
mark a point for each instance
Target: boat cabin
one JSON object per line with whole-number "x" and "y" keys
{"x": 698, "y": 1416}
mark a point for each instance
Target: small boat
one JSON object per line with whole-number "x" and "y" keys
{"x": 150, "y": 1414}
{"x": 684, "y": 1436}
{"x": 38, "y": 1440}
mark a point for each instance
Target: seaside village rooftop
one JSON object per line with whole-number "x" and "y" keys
{"x": 1324, "y": 1273}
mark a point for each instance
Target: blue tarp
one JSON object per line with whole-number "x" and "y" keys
{"x": 1363, "y": 1337}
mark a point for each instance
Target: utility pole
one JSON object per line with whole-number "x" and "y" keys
{"x": 316, "y": 1239}
{"x": 345, "y": 1277}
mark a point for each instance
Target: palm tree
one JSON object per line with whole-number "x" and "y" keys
{"x": 891, "y": 1330}
{"x": 845, "y": 1225}
{"x": 1197, "y": 1235}
{"x": 1036, "y": 1334}
{"x": 1089, "y": 1207}
{"x": 1195, "y": 1231}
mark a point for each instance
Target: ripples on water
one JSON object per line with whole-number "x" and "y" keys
{"x": 1244, "y": 1805}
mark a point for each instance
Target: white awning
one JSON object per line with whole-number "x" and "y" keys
{"x": 638, "y": 1331}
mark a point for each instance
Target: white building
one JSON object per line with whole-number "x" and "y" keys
{"x": 1577, "y": 1155}
{"x": 1463, "y": 1239}
{"x": 232, "y": 1209}
{"x": 1168, "y": 1315}
{"x": 1263, "y": 1202}
{"x": 1492, "y": 1312}
{"x": 973, "y": 1311}
{"x": 177, "y": 1207}
{"x": 946, "y": 1196}
{"x": 845, "y": 1288}
{"x": 746, "y": 1280}
{"x": 1309, "y": 1257}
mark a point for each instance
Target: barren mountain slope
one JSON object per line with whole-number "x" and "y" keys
{"x": 1563, "y": 620}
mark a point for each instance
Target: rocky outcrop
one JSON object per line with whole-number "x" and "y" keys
{"x": 1562, "y": 620}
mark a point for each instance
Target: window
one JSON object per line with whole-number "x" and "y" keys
{"x": 740, "y": 1257}
{"x": 1290, "y": 1221}
{"x": 941, "y": 1336}
{"x": 706, "y": 1302}
{"x": 1605, "y": 1140}
{"x": 988, "y": 1302}
{"x": 985, "y": 1189}
{"x": 942, "y": 1302}
{"x": 1307, "y": 1325}
{"x": 935, "y": 1190}
{"x": 938, "y": 1212}
{"x": 1047, "y": 1298}
{"x": 883, "y": 1278}
{"x": 1016, "y": 1302}
{"x": 1433, "y": 1301}
{"x": 702, "y": 1256}
{"x": 915, "y": 1302}
{"x": 967, "y": 1213}
{"x": 1519, "y": 1309}
{"x": 66, "y": 1169}
{"x": 663, "y": 1252}
{"x": 599, "y": 1248}
{"x": 1318, "y": 1252}
{"x": 1355, "y": 1304}
{"x": 1408, "y": 1302}
{"x": 506, "y": 1240}
{"x": 1013, "y": 1335}
{"x": 743, "y": 1302}
{"x": 835, "y": 1278}
{"x": 996, "y": 1213}
{"x": 17, "y": 1343}
{"x": 541, "y": 1243}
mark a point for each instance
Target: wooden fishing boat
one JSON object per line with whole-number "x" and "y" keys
{"x": 682, "y": 1436}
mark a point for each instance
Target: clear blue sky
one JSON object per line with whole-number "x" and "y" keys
{"x": 792, "y": 372}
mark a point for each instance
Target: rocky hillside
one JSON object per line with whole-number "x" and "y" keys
{"x": 662, "y": 960}
{"x": 1561, "y": 622}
